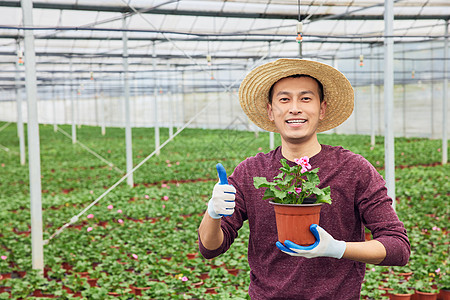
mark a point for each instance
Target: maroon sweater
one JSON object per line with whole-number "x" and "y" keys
{"x": 359, "y": 199}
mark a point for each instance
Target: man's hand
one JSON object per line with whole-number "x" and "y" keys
{"x": 222, "y": 200}
{"x": 325, "y": 245}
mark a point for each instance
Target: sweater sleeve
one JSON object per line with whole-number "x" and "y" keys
{"x": 230, "y": 224}
{"x": 378, "y": 215}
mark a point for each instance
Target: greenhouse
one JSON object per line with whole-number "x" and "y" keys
{"x": 115, "y": 115}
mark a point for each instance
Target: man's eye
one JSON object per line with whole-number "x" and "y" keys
{"x": 284, "y": 99}
{"x": 306, "y": 99}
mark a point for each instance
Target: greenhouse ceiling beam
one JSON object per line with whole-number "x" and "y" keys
{"x": 278, "y": 39}
{"x": 222, "y": 14}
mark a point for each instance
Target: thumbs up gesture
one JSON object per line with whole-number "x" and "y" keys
{"x": 222, "y": 200}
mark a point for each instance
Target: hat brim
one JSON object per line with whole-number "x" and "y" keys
{"x": 337, "y": 90}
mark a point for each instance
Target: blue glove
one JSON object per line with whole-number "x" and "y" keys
{"x": 325, "y": 245}
{"x": 222, "y": 200}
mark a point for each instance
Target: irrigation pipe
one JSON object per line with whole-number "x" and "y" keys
{"x": 4, "y": 126}
{"x": 7, "y": 149}
{"x": 92, "y": 152}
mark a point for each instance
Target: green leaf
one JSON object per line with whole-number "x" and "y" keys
{"x": 324, "y": 196}
{"x": 260, "y": 182}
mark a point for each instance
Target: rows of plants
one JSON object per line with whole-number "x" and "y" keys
{"x": 141, "y": 242}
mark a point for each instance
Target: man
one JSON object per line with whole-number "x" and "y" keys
{"x": 299, "y": 98}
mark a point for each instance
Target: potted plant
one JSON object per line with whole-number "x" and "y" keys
{"x": 425, "y": 289}
{"x": 444, "y": 285}
{"x": 400, "y": 289}
{"x": 296, "y": 199}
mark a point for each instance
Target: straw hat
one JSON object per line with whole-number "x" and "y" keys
{"x": 337, "y": 90}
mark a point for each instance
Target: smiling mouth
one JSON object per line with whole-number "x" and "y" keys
{"x": 296, "y": 121}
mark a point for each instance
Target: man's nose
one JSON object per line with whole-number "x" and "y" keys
{"x": 295, "y": 107}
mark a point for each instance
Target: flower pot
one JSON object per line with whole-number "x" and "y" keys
{"x": 400, "y": 296}
{"x": 293, "y": 221}
{"x": 92, "y": 282}
{"x": 211, "y": 290}
{"x": 426, "y": 296}
{"x": 444, "y": 295}
{"x": 233, "y": 272}
{"x": 405, "y": 275}
{"x": 203, "y": 276}
{"x": 138, "y": 290}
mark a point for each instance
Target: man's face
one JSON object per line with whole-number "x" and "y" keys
{"x": 296, "y": 109}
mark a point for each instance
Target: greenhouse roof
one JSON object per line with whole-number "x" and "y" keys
{"x": 184, "y": 34}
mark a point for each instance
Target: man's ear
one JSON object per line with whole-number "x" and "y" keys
{"x": 270, "y": 112}
{"x": 323, "y": 108}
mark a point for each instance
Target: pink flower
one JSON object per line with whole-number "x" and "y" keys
{"x": 119, "y": 211}
{"x": 436, "y": 228}
{"x": 298, "y": 190}
{"x": 3, "y": 165}
{"x": 184, "y": 278}
{"x": 90, "y": 216}
{"x": 165, "y": 198}
{"x": 110, "y": 206}
{"x": 147, "y": 197}
{"x": 89, "y": 229}
{"x": 91, "y": 192}
{"x": 177, "y": 185}
{"x": 134, "y": 256}
{"x": 167, "y": 161}
{"x": 303, "y": 170}
{"x": 373, "y": 269}
{"x": 439, "y": 149}
{"x": 163, "y": 206}
{"x": 260, "y": 148}
{"x": 163, "y": 185}
{"x": 169, "y": 165}
{"x": 4, "y": 257}
{"x": 120, "y": 221}
{"x": 177, "y": 163}
{"x": 438, "y": 270}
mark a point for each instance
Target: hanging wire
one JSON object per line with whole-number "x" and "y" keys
{"x": 299, "y": 15}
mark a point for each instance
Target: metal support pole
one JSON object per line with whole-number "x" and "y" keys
{"x": 53, "y": 97}
{"x": 372, "y": 98}
{"x": 34, "y": 155}
{"x": 272, "y": 140}
{"x": 404, "y": 91}
{"x": 389, "y": 156}
{"x": 444, "y": 100}
{"x": 170, "y": 102}
{"x": 20, "y": 130}
{"x": 102, "y": 107}
{"x": 155, "y": 99}
{"x": 72, "y": 105}
{"x": 128, "y": 136}
{"x": 432, "y": 92}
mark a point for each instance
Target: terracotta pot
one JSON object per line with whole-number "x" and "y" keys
{"x": 198, "y": 284}
{"x": 92, "y": 282}
{"x": 211, "y": 290}
{"x": 444, "y": 295}
{"x": 400, "y": 296}
{"x": 233, "y": 272}
{"x": 191, "y": 255}
{"x": 203, "y": 276}
{"x": 138, "y": 290}
{"x": 293, "y": 221}
{"x": 406, "y": 275}
{"x": 426, "y": 296}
